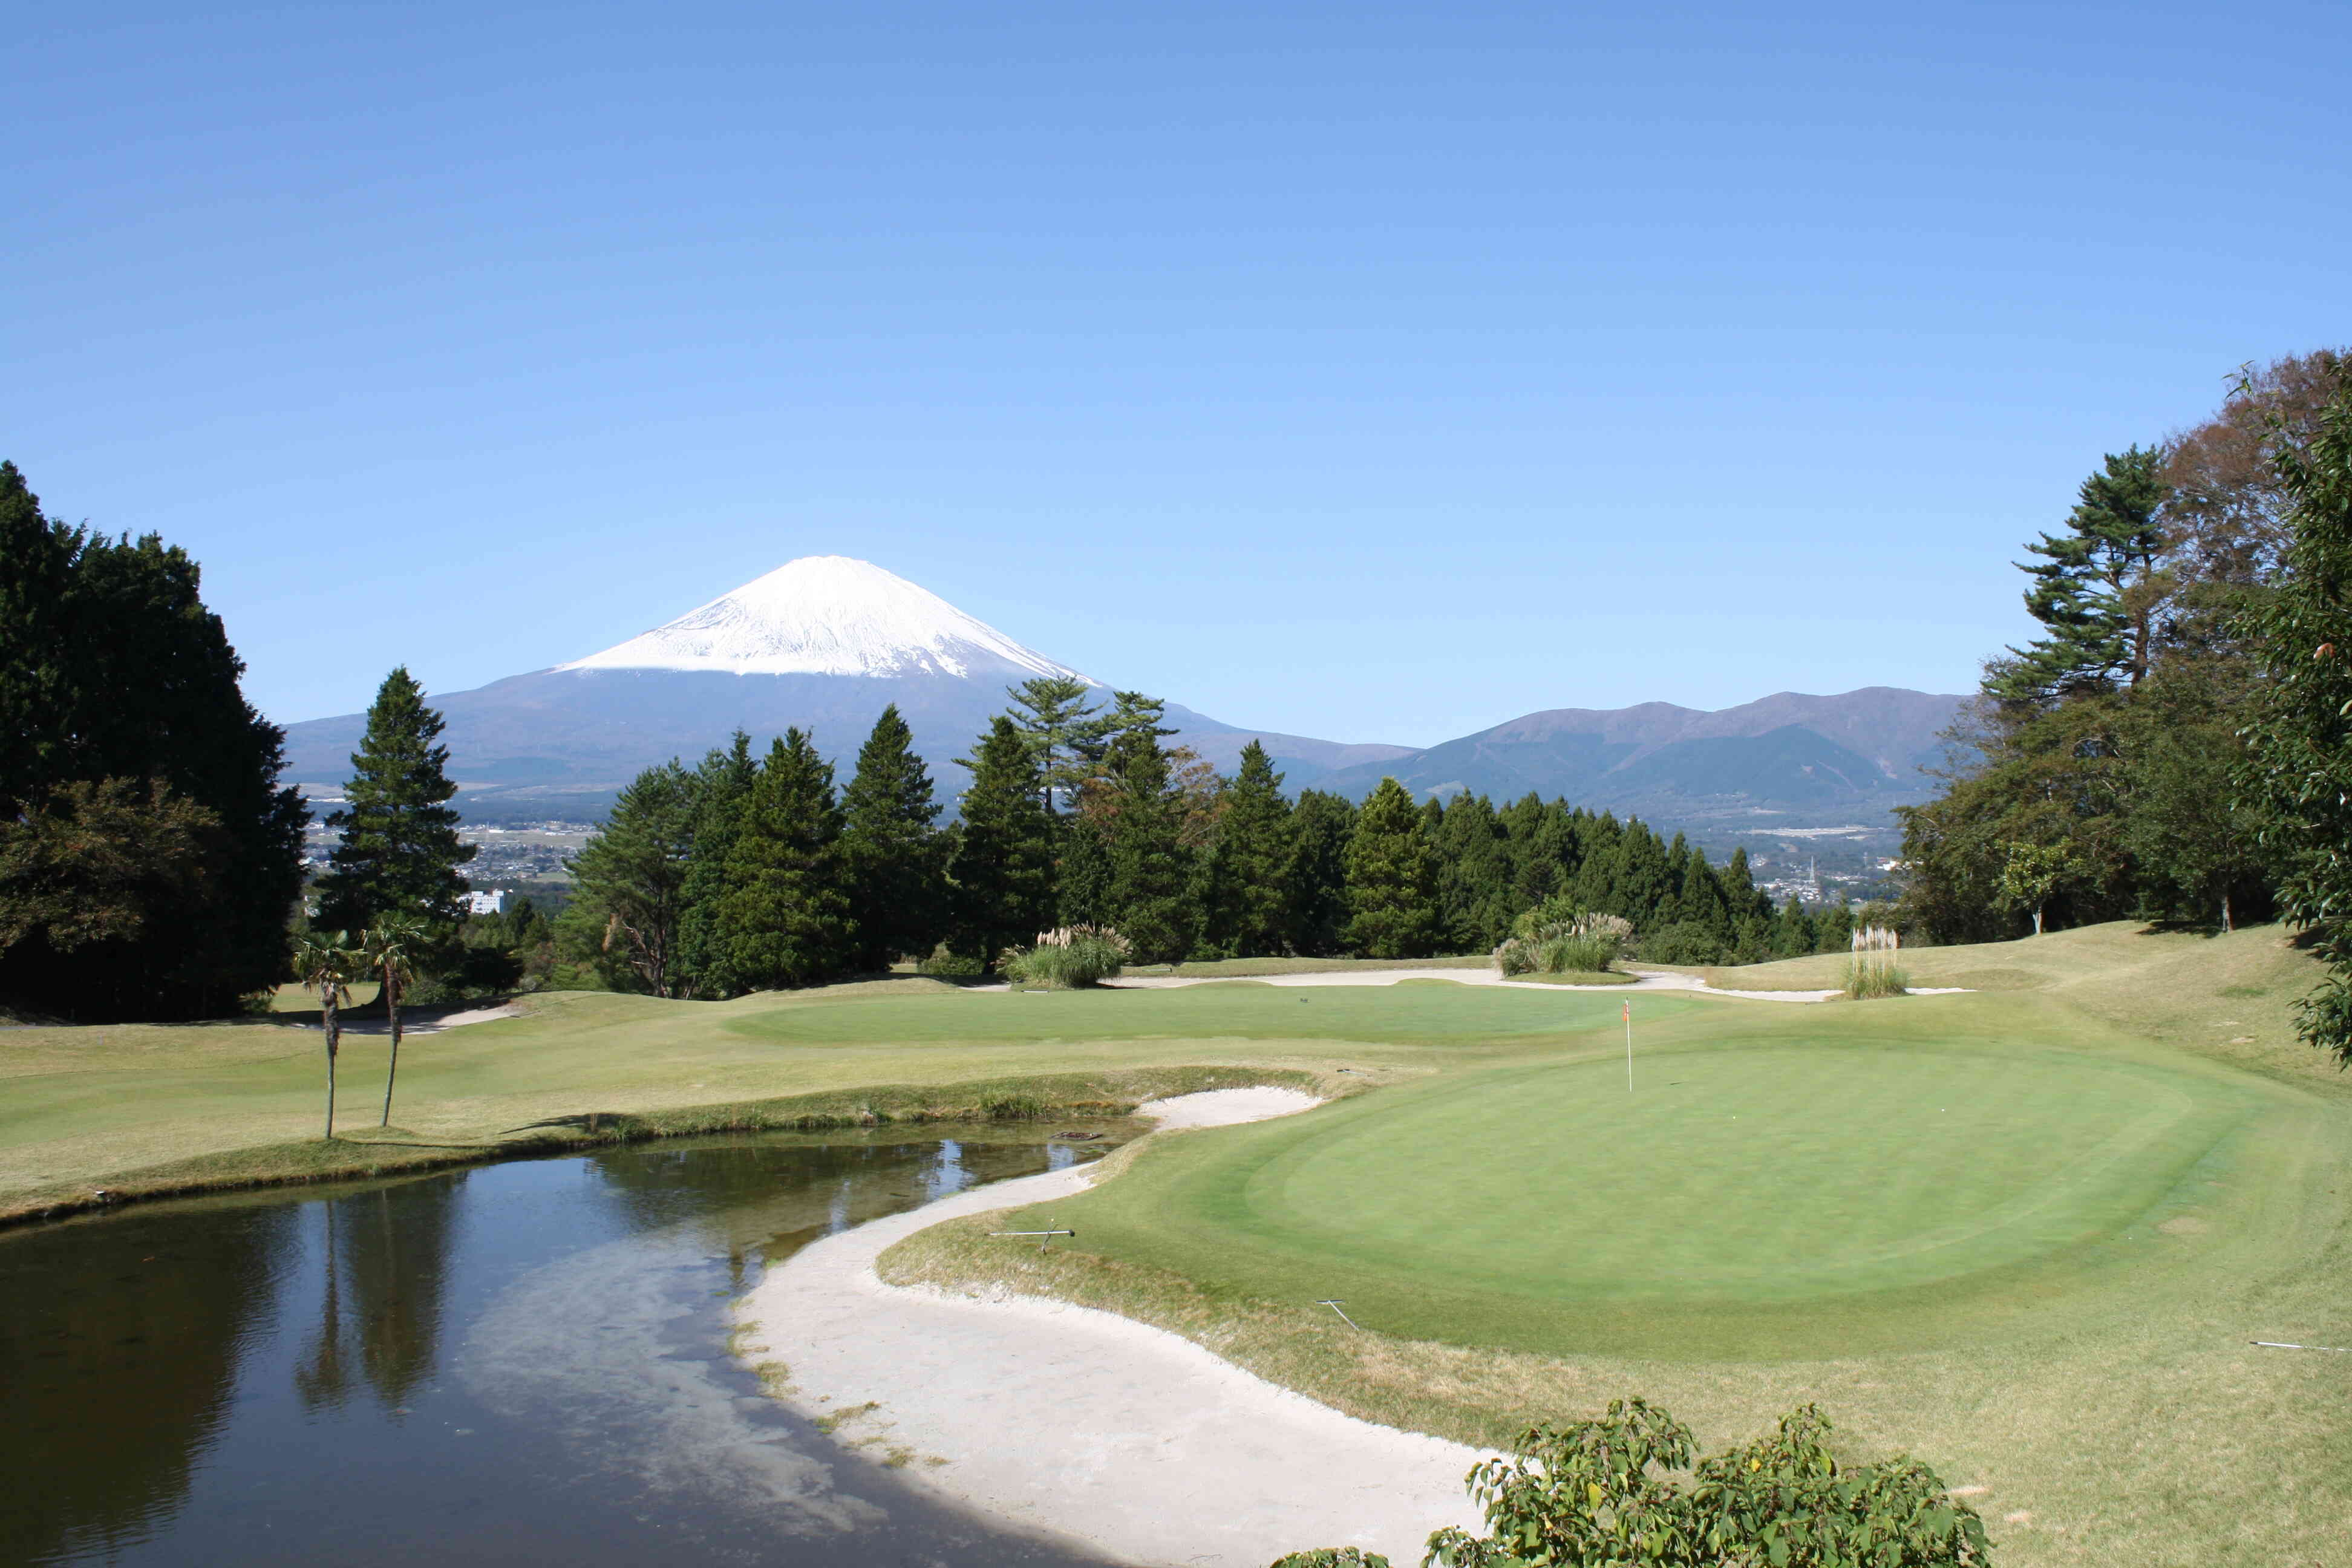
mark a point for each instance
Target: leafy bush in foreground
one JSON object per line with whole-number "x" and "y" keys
{"x": 1068, "y": 957}
{"x": 1596, "y": 1494}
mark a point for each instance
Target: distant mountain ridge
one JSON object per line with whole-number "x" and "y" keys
{"x": 825, "y": 642}
{"x": 1793, "y": 757}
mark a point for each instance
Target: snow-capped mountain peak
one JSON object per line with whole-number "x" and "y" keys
{"x": 827, "y": 615}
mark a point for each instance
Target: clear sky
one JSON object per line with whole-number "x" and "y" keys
{"x": 1368, "y": 372}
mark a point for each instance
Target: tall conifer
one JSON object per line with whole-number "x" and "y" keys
{"x": 1391, "y": 882}
{"x": 897, "y": 856}
{"x": 1002, "y": 872}
{"x": 784, "y": 917}
{"x": 1246, "y": 893}
{"x": 1150, "y": 869}
{"x": 400, "y": 849}
{"x": 722, "y": 784}
{"x": 1321, "y": 825}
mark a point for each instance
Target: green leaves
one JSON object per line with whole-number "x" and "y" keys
{"x": 400, "y": 848}
{"x": 1392, "y": 879}
{"x": 1600, "y": 1494}
{"x": 2299, "y": 767}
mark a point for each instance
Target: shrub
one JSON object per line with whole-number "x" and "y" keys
{"x": 1067, "y": 958}
{"x": 1683, "y": 941}
{"x": 945, "y": 966}
{"x": 1557, "y": 937}
{"x": 1604, "y": 1492}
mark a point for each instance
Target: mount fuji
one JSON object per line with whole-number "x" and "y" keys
{"x": 823, "y": 642}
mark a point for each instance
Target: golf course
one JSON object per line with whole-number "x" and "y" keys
{"x": 2026, "y": 1231}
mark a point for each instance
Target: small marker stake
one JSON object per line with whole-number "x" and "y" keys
{"x": 1629, "y": 1047}
{"x": 1042, "y": 1245}
{"x": 1343, "y": 1316}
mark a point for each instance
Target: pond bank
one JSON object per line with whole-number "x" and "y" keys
{"x": 1086, "y": 1425}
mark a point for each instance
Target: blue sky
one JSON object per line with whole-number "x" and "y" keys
{"x": 1374, "y": 373}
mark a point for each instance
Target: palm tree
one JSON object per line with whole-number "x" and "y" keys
{"x": 391, "y": 948}
{"x": 327, "y": 960}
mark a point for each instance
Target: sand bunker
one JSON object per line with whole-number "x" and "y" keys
{"x": 1088, "y": 1425}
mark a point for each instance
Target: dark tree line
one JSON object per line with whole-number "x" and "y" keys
{"x": 750, "y": 871}
{"x": 2105, "y": 764}
{"x": 148, "y": 857}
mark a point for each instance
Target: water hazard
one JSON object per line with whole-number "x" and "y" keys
{"x": 514, "y": 1364}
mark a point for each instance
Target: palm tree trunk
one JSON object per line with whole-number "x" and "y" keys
{"x": 392, "y": 1010}
{"x": 334, "y": 1032}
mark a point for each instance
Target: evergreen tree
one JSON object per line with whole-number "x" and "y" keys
{"x": 784, "y": 919}
{"x": 1474, "y": 895}
{"x": 114, "y": 677}
{"x": 2098, "y": 587}
{"x": 897, "y": 856}
{"x": 629, "y": 880}
{"x": 1679, "y": 865}
{"x": 1639, "y": 888}
{"x": 1391, "y": 882}
{"x": 1322, "y": 824}
{"x": 1150, "y": 869}
{"x": 723, "y": 788}
{"x": 1245, "y": 895}
{"x": 1793, "y": 931}
{"x": 400, "y": 849}
{"x": 1700, "y": 901}
{"x": 1599, "y": 844}
{"x": 1064, "y": 733}
{"x": 2299, "y": 775}
{"x": 1002, "y": 872}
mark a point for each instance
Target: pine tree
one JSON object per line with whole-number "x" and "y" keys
{"x": 1391, "y": 882}
{"x": 1701, "y": 902}
{"x": 1246, "y": 893}
{"x": 629, "y": 879}
{"x": 784, "y": 919}
{"x": 1150, "y": 869}
{"x": 1639, "y": 888}
{"x": 1793, "y": 931}
{"x": 400, "y": 849}
{"x": 722, "y": 787}
{"x": 2098, "y": 589}
{"x": 1064, "y": 733}
{"x": 897, "y": 856}
{"x": 1002, "y": 871}
{"x": 1322, "y": 824}
{"x": 1474, "y": 899}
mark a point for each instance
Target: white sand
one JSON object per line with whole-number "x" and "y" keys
{"x": 1088, "y": 1425}
{"x": 431, "y": 1020}
{"x": 1646, "y": 980}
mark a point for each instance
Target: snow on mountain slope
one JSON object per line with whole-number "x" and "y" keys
{"x": 827, "y": 615}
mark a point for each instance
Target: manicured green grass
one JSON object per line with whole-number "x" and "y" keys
{"x": 1807, "y": 1186}
{"x": 239, "y": 1100}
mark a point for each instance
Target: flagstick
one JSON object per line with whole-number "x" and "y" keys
{"x": 1629, "y": 1047}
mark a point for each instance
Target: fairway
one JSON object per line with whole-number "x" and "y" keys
{"x": 1769, "y": 1196}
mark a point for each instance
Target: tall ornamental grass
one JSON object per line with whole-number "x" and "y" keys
{"x": 1556, "y": 938}
{"x": 1873, "y": 971}
{"x": 1067, "y": 958}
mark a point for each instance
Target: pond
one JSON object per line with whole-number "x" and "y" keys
{"x": 510, "y": 1363}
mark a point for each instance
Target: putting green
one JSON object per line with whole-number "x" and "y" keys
{"x": 1763, "y": 1197}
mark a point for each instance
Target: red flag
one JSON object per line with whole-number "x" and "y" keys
{"x": 1629, "y": 1012}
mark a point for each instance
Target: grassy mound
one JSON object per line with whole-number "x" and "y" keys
{"x": 1793, "y": 1193}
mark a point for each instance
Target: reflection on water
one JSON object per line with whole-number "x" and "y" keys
{"x": 516, "y": 1363}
